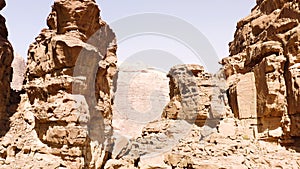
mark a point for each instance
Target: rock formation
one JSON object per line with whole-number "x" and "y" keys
{"x": 19, "y": 68}
{"x": 197, "y": 99}
{"x": 6, "y": 58}
{"x": 64, "y": 117}
{"x": 196, "y": 96}
{"x": 262, "y": 78}
{"x": 177, "y": 142}
{"x": 263, "y": 70}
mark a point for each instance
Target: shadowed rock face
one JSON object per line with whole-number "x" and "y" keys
{"x": 6, "y": 57}
{"x": 263, "y": 69}
{"x": 64, "y": 117}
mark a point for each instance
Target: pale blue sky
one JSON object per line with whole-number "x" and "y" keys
{"x": 216, "y": 19}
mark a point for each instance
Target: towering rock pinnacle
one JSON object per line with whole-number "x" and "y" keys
{"x": 6, "y": 57}
{"x": 263, "y": 69}
{"x": 64, "y": 118}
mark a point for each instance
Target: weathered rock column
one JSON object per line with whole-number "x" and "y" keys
{"x": 64, "y": 118}
{"x": 195, "y": 95}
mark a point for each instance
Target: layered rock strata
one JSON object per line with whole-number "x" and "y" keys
{"x": 263, "y": 69}
{"x": 64, "y": 117}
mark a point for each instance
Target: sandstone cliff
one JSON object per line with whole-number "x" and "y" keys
{"x": 196, "y": 96}
{"x": 262, "y": 78}
{"x": 6, "y": 58}
{"x": 181, "y": 140}
{"x": 263, "y": 70}
{"x": 64, "y": 117}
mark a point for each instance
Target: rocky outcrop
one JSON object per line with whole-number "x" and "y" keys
{"x": 217, "y": 140}
{"x": 175, "y": 142}
{"x": 185, "y": 85}
{"x": 262, "y": 77}
{"x": 263, "y": 70}
{"x": 64, "y": 117}
{"x": 227, "y": 138}
{"x": 196, "y": 99}
{"x": 196, "y": 96}
{"x": 6, "y": 58}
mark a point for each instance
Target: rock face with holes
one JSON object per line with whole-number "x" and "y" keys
{"x": 64, "y": 117}
{"x": 6, "y": 57}
{"x": 196, "y": 96}
{"x": 263, "y": 69}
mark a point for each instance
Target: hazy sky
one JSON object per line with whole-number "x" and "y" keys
{"x": 216, "y": 19}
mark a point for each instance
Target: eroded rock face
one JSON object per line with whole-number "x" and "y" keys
{"x": 196, "y": 96}
{"x": 64, "y": 118}
{"x": 6, "y": 58}
{"x": 196, "y": 99}
{"x": 263, "y": 69}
